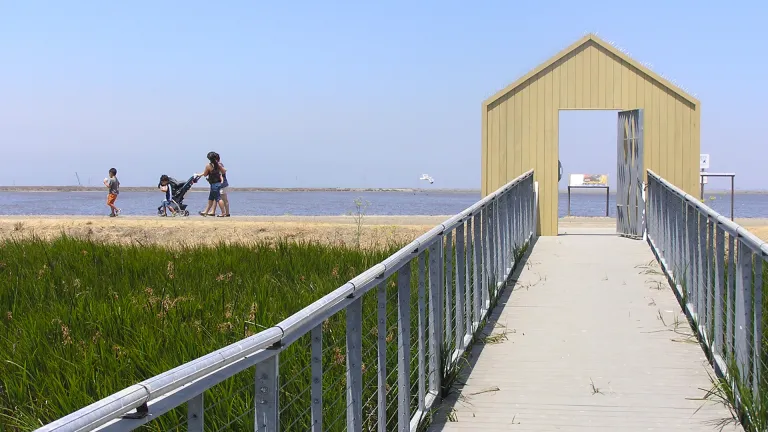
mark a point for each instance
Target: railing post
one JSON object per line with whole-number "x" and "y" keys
{"x": 495, "y": 266}
{"x": 195, "y": 412}
{"x": 675, "y": 237}
{"x": 510, "y": 223}
{"x": 651, "y": 207}
{"x": 757, "y": 323}
{"x": 683, "y": 246}
{"x": 266, "y": 400}
{"x": 743, "y": 310}
{"x": 485, "y": 277}
{"x": 667, "y": 220}
{"x": 477, "y": 271}
{"x": 404, "y": 347}
{"x": 731, "y": 287}
{"x": 701, "y": 279}
{"x": 468, "y": 289}
{"x": 501, "y": 216}
{"x": 535, "y": 208}
{"x": 422, "y": 323}
{"x": 500, "y": 246}
{"x": 658, "y": 205}
{"x": 460, "y": 262}
{"x": 435, "y": 317}
{"x": 491, "y": 210}
{"x": 354, "y": 366}
{"x": 719, "y": 292}
{"x": 317, "y": 378}
{"x": 531, "y": 213}
{"x": 504, "y": 215}
{"x": 709, "y": 284}
{"x": 690, "y": 236}
{"x": 521, "y": 210}
{"x": 381, "y": 346}
{"x": 668, "y": 215}
{"x": 695, "y": 265}
{"x": 448, "y": 287}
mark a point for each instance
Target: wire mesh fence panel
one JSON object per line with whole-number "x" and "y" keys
{"x": 295, "y": 383}
{"x": 376, "y": 354}
{"x": 334, "y": 372}
{"x": 719, "y": 270}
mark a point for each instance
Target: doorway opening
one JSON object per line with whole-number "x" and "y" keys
{"x": 600, "y": 185}
{"x": 587, "y": 147}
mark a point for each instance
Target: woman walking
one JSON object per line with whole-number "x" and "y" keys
{"x": 224, "y": 203}
{"x": 214, "y": 173}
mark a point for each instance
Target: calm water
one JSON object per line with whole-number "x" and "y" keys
{"x": 324, "y": 203}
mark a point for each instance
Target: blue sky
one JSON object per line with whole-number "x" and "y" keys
{"x": 349, "y": 94}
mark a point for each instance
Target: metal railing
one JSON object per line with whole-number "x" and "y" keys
{"x": 374, "y": 354}
{"x": 717, "y": 268}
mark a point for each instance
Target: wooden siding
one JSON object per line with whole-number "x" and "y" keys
{"x": 520, "y": 127}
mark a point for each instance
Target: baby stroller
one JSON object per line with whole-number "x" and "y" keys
{"x": 178, "y": 190}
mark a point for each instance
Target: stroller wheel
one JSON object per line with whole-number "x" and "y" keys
{"x": 186, "y": 212}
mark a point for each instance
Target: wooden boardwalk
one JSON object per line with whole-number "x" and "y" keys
{"x": 595, "y": 340}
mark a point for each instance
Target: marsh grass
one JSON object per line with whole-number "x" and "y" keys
{"x": 80, "y": 321}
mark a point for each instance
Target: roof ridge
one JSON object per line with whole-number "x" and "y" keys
{"x": 596, "y": 38}
{"x": 621, "y": 53}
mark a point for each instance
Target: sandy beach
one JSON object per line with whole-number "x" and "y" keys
{"x": 375, "y": 231}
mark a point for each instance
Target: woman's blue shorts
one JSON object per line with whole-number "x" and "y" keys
{"x": 215, "y": 194}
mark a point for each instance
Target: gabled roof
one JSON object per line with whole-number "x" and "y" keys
{"x": 606, "y": 46}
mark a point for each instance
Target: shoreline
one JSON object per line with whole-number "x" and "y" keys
{"x": 375, "y": 232}
{"x": 231, "y": 189}
{"x": 372, "y": 233}
{"x": 30, "y": 189}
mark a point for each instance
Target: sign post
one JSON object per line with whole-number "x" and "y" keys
{"x": 703, "y": 175}
{"x": 589, "y": 181}
{"x": 703, "y": 167}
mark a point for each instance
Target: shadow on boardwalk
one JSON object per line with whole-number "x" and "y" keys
{"x": 492, "y": 333}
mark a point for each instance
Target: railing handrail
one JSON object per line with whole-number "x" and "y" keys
{"x": 123, "y": 401}
{"x": 731, "y": 227}
{"x": 716, "y": 280}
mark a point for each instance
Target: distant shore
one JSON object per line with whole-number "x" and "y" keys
{"x": 203, "y": 188}
{"x": 198, "y": 188}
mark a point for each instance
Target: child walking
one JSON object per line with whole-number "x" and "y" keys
{"x": 113, "y": 184}
{"x": 167, "y": 203}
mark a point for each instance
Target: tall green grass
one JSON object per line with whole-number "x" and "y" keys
{"x": 80, "y": 321}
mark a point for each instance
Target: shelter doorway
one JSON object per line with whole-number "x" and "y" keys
{"x": 602, "y": 175}
{"x": 519, "y": 122}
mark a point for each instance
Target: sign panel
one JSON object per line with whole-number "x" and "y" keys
{"x": 599, "y": 180}
{"x": 704, "y": 161}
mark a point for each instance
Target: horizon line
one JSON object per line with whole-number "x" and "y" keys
{"x": 74, "y": 188}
